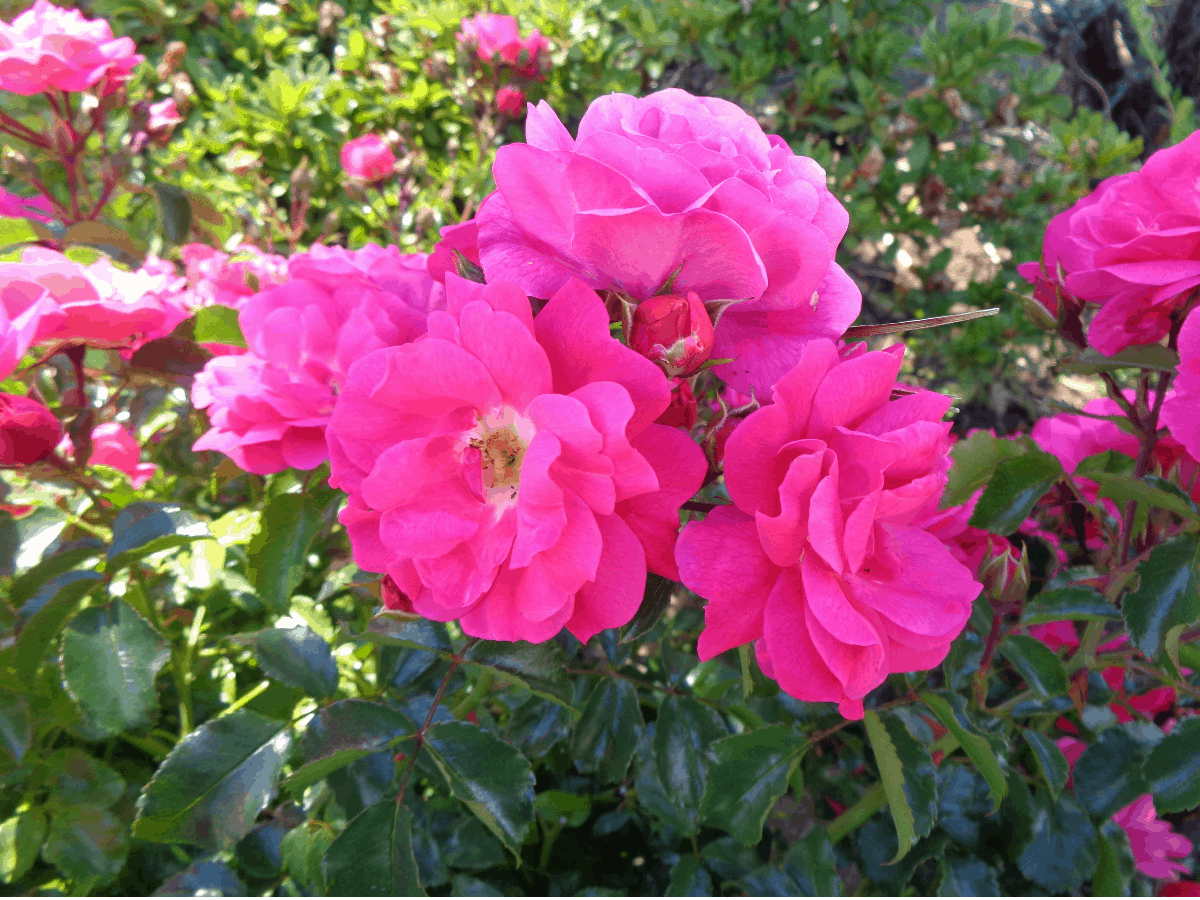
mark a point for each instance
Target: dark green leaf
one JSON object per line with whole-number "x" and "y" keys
{"x": 964, "y": 802}
{"x": 541, "y": 668}
{"x": 402, "y": 630}
{"x": 748, "y": 773}
{"x": 110, "y": 657}
{"x": 654, "y": 603}
{"x": 689, "y": 879}
{"x": 260, "y": 853}
{"x": 684, "y": 731}
{"x": 46, "y": 623}
{"x": 1012, "y": 491}
{"x": 1172, "y": 768}
{"x": 206, "y": 877}
{"x": 909, "y": 778}
{"x": 469, "y": 886}
{"x": 812, "y": 865}
{"x": 276, "y": 554}
{"x": 88, "y": 845}
{"x": 16, "y": 730}
{"x": 343, "y": 732}
{"x": 176, "y": 211}
{"x": 1149, "y": 489}
{"x": 373, "y": 857}
{"x": 967, "y": 876}
{"x": 1063, "y": 849}
{"x": 297, "y": 656}
{"x": 1050, "y": 760}
{"x": 1108, "y": 775}
{"x": 493, "y": 779}
{"x": 975, "y": 459}
{"x": 1168, "y": 593}
{"x": 20, "y": 840}
{"x": 1074, "y": 602}
{"x": 77, "y": 779}
{"x": 216, "y": 781}
{"x": 1037, "y": 664}
{"x": 473, "y": 847}
{"x": 218, "y": 325}
{"x": 951, "y": 711}
{"x": 144, "y": 528}
{"x": 607, "y": 734}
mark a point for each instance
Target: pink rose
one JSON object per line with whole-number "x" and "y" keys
{"x": 1151, "y": 839}
{"x": 28, "y": 431}
{"x": 1181, "y": 411}
{"x": 510, "y": 100}
{"x": 497, "y": 40}
{"x": 368, "y": 158}
{"x": 818, "y": 559}
{"x": 23, "y": 310}
{"x": 47, "y": 48}
{"x": 1131, "y": 247}
{"x": 13, "y": 206}
{"x": 505, "y": 471}
{"x": 115, "y": 447}
{"x": 218, "y": 279}
{"x": 269, "y": 407}
{"x": 681, "y": 188}
{"x": 463, "y": 237}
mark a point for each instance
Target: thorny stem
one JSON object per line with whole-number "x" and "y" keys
{"x": 455, "y": 662}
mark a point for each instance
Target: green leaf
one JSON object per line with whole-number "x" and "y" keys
{"x": 176, "y": 211}
{"x": 141, "y": 529}
{"x": 343, "y": 732}
{"x": 607, "y": 733}
{"x": 1077, "y": 602}
{"x": 206, "y": 877}
{"x": 1053, "y": 765}
{"x": 88, "y": 845}
{"x": 27, "y": 584}
{"x": 20, "y": 841}
{"x": 276, "y": 554}
{"x": 1107, "y": 881}
{"x": 951, "y": 711}
{"x": 297, "y": 656}
{"x": 1144, "y": 356}
{"x": 212, "y": 786}
{"x": 967, "y": 876}
{"x": 540, "y": 668}
{"x": 1149, "y": 489}
{"x": 402, "y": 630}
{"x": 303, "y": 849}
{"x": 218, "y": 325}
{"x": 684, "y": 730}
{"x": 654, "y": 603}
{"x": 1013, "y": 490}
{"x": 1037, "y": 664}
{"x": 747, "y": 774}
{"x": 45, "y": 624}
{"x": 16, "y": 730}
{"x": 373, "y": 857}
{"x": 1109, "y": 462}
{"x": 1063, "y": 849}
{"x": 1172, "y": 768}
{"x": 975, "y": 459}
{"x": 689, "y": 879}
{"x": 1168, "y": 592}
{"x": 493, "y": 779}
{"x": 1108, "y": 775}
{"x": 909, "y": 778}
{"x": 110, "y": 657}
{"x": 77, "y": 779}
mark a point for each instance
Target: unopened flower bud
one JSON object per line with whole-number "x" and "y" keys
{"x": 368, "y": 158}
{"x": 1005, "y": 577}
{"x": 28, "y": 431}
{"x": 394, "y": 598}
{"x": 673, "y": 331}
{"x": 682, "y": 412}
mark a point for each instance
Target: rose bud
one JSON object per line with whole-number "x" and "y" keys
{"x": 682, "y": 412}
{"x": 28, "y": 431}
{"x": 368, "y": 158}
{"x": 673, "y": 331}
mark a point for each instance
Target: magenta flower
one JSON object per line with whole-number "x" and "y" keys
{"x": 269, "y": 407}
{"x": 13, "y": 206}
{"x": 115, "y": 447}
{"x": 1131, "y": 247}
{"x": 24, "y": 310}
{"x": 497, "y": 40}
{"x": 1181, "y": 411}
{"x": 219, "y": 279}
{"x": 510, "y": 100}
{"x": 28, "y": 431}
{"x": 47, "y": 48}
{"x": 673, "y": 331}
{"x": 683, "y": 186}
{"x": 818, "y": 559}
{"x": 505, "y": 471}
{"x": 368, "y": 158}
{"x": 463, "y": 237}
{"x": 1152, "y": 841}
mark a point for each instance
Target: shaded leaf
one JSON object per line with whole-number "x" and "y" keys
{"x": 951, "y": 711}
{"x": 402, "y": 630}
{"x": 1172, "y": 768}
{"x": 343, "y": 732}
{"x": 373, "y": 857}
{"x": 909, "y": 778}
{"x": 1077, "y": 602}
{"x": 176, "y": 211}
{"x": 1036, "y": 663}
{"x": 88, "y": 845}
{"x": 1108, "y": 775}
{"x": 684, "y": 730}
{"x": 45, "y": 624}
{"x": 1168, "y": 593}
{"x": 1017, "y": 484}
{"x": 141, "y": 529}
{"x": 607, "y": 733}
{"x": 297, "y": 656}
{"x": 541, "y": 668}
{"x": 747, "y": 774}
{"x": 77, "y": 779}
{"x": 1050, "y": 760}
{"x": 16, "y": 730}
{"x": 28, "y": 583}
{"x": 20, "y": 841}
{"x": 276, "y": 555}
{"x": 689, "y": 879}
{"x": 967, "y": 876}
{"x": 206, "y": 877}
{"x": 654, "y": 603}
{"x": 1063, "y": 849}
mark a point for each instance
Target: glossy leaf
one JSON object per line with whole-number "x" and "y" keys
{"x": 28, "y": 583}
{"x": 1036, "y": 663}
{"x": 1172, "y": 768}
{"x": 343, "y": 732}
{"x": 493, "y": 779}
{"x": 141, "y": 529}
{"x": 684, "y": 731}
{"x": 1012, "y": 491}
{"x": 1063, "y": 849}
{"x": 216, "y": 781}
{"x": 748, "y": 772}
{"x": 402, "y": 630}
{"x": 607, "y": 733}
{"x": 909, "y": 778}
{"x": 1050, "y": 760}
{"x": 110, "y": 657}
{"x": 20, "y": 840}
{"x": 951, "y": 711}
{"x": 541, "y": 668}
{"x": 276, "y": 555}
{"x": 1108, "y": 775}
{"x": 373, "y": 856}
{"x": 1076, "y": 602}
{"x": 35, "y": 638}
{"x": 1168, "y": 592}
{"x": 297, "y": 656}
{"x": 655, "y": 601}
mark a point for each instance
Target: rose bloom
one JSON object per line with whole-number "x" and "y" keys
{"x": 220, "y": 279}
{"x": 115, "y": 447}
{"x": 505, "y": 471}
{"x": 368, "y": 158}
{"x": 28, "y": 431}
{"x": 14, "y": 206}
{"x": 1181, "y": 411}
{"x": 47, "y": 48}
{"x": 497, "y": 40}
{"x": 510, "y": 100}
{"x": 681, "y": 188}
{"x": 817, "y": 560}
{"x": 270, "y": 406}
{"x": 22, "y": 314}
{"x": 1131, "y": 247}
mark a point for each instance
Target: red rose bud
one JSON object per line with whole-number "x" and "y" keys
{"x": 682, "y": 412}
{"x": 673, "y": 331}
{"x": 1005, "y": 577}
{"x": 28, "y": 431}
